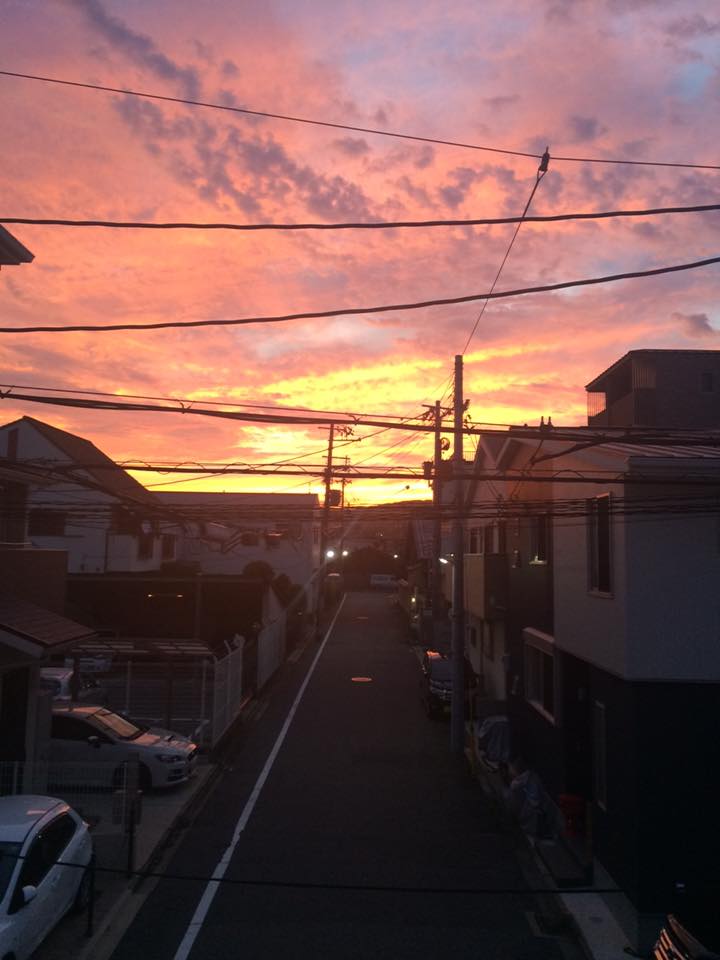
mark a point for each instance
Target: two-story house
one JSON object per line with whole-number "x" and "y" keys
{"x": 233, "y": 533}
{"x": 609, "y": 626}
{"x": 87, "y": 504}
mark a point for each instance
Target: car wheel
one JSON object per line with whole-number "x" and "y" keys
{"x": 82, "y": 897}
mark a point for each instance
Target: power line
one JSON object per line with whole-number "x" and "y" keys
{"x": 358, "y": 225}
{"x": 542, "y": 170}
{"x": 364, "y": 311}
{"x": 184, "y": 401}
{"x": 656, "y": 436}
{"x": 344, "y": 126}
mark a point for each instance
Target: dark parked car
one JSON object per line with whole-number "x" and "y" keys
{"x": 436, "y": 683}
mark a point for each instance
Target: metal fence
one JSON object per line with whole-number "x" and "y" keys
{"x": 198, "y": 697}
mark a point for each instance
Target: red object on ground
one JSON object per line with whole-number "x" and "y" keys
{"x": 572, "y": 808}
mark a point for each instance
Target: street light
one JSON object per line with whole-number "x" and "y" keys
{"x": 345, "y": 553}
{"x": 329, "y": 554}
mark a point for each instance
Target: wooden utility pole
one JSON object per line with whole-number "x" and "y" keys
{"x": 435, "y": 571}
{"x": 457, "y": 714}
{"x": 324, "y": 523}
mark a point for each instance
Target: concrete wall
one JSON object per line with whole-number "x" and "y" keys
{"x": 673, "y": 578}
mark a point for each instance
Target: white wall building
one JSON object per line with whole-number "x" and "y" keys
{"x": 224, "y": 532}
{"x": 86, "y": 504}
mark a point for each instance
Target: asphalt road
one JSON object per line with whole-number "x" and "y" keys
{"x": 362, "y": 792}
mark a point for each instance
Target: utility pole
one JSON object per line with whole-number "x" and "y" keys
{"x": 437, "y": 595}
{"x": 324, "y": 532}
{"x": 457, "y": 714}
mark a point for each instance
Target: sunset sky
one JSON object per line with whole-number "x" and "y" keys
{"x": 631, "y": 79}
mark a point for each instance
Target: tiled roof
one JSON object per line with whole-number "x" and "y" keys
{"x": 47, "y": 630}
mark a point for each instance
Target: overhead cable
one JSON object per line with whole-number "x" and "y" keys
{"x": 186, "y": 401}
{"x": 541, "y": 171}
{"x": 228, "y": 108}
{"x": 362, "y": 311}
{"x": 358, "y": 225}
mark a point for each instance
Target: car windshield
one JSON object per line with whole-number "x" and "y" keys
{"x": 116, "y": 725}
{"x": 8, "y": 858}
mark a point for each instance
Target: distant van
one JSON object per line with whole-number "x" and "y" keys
{"x": 383, "y": 581}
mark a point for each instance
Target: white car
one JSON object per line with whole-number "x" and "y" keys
{"x": 45, "y": 850}
{"x": 99, "y": 741}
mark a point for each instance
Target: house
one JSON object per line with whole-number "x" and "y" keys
{"x": 32, "y": 625}
{"x": 29, "y": 636}
{"x": 86, "y": 504}
{"x": 651, "y": 388}
{"x": 591, "y": 609}
{"x": 243, "y": 533}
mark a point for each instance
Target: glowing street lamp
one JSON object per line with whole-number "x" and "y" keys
{"x": 330, "y": 554}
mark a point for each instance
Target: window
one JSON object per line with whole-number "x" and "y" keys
{"x": 12, "y": 444}
{"x": 168, "y": 546}
{"x": 540, "y": 539}
{"x": 599, "y": 544}
{"x": 472, "y": 636}
{"x": 146, "y": 544}
{"x": 70, "y": 728}
{"x": 44, "y": 522}
{"x": 12, "y": 512}
{"x": 707, "y": 382}
{"x": 8, "y": 859}
{"x": 45, "y": 851}
{"x": 540, "y": 672}
{"x": 124, "y": 522}
{"x": 476, "y": 540}
{"x": 599, "y": 755}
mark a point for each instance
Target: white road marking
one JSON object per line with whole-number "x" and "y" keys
{"x": 203, "y": 907}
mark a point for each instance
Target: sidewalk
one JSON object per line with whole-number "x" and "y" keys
{"x": 162, "y": 813}
{"x": 599, "y": 932}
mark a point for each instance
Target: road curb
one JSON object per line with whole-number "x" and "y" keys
{"x": 105, "y": 938}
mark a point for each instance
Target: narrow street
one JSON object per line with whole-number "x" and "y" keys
{"x": 363, "y": 792}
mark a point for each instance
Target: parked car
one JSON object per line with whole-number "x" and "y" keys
{"x": 45, "y": 852}
{"x": 58, "y": 680}
{"x": 383, "y": 581}
{"x": 436, "y": 683}
{"x": 97, "y": 737}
